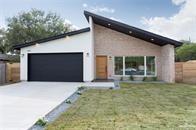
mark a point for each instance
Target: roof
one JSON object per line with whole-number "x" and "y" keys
{"x": 3, "y": 57}
{"x": 18, "y": 46}
{"x": 130, "y": 30}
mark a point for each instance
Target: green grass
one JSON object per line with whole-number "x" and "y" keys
{"x": 134, "y": 106}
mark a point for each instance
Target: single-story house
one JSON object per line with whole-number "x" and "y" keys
{"x": 107, "y": 49}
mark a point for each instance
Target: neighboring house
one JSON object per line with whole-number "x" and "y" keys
{"x": 107, "y": 50}
{"x": 3, "y": 58}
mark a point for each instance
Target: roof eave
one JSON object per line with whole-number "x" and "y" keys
{"x": 19, "y": 46}
{"x": 131, "y": 28}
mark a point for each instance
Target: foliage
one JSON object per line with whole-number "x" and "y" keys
{"x": 79, "y": 92}
{"x": 131, "y": 77}
{"x": 186, "y": 52}
{"x": 4, "y": 46}
{"x": 68, "y": 101}
{"x": 145, "y": 78}
{"x": 41, "y": 122}
{"x": 154, "y": 78}
{"x": 81, "y": 88}
{"x": 149, "y": 79}
{"x": 33, "y": 25}
{"x": 121, "y": 78}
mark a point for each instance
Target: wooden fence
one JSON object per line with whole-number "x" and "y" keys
{"x": 13, "y": 72}
{"x": 186, "y": 72}
{"x": 2, "y": 73}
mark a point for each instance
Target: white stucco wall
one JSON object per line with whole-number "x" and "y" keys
{"x": 76, "y": 43}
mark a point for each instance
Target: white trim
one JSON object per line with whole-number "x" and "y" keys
{"x": 124, "y": 66}
{"x": 145, "y": 68}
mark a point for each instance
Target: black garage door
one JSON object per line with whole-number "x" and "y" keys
{"x": 65, "y": 67}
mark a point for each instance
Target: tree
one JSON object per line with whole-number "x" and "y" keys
{"x": 186, "y": 52}
{"x": 4, "y": 46}
{"x": 33, "y": 25}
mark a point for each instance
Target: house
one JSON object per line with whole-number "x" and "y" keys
{"x": 106, "y": 50}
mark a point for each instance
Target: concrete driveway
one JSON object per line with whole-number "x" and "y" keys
{"x": 21, "y": 104}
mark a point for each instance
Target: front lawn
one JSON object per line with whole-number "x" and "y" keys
{"x": 134, "y": 106}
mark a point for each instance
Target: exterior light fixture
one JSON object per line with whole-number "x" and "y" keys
{"x": 152, "y": 39}
{"x": 22, "y": 55}
{"x": 110, "y": 57}
{"x": 37, "y": 44}
{"x": 67, "y": 37}
{"x": 109, "y": 24}
{"x": 130, "y": 32}
{"x": 87, "y": 54}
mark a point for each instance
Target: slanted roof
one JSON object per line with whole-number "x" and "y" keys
{"x": 130, "y": 30}
{"x": 17, "y": 47}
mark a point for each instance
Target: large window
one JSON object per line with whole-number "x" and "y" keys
{"x": 150, "y": 65}
{"x": 118, "y": 65}
{"x": 135, "y": 65}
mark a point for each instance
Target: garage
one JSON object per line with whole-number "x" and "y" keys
{"x": 58, "y": 67}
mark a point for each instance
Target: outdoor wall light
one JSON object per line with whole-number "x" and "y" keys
{"x": 22, "y": 55}
{"x": 37, "y": 44}
{"x": 67, "y": 37}
{"x": 110, "y": 57}
{"x": 87, "y": 54}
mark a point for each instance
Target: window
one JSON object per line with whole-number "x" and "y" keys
{"x": 118, "y": 65}
{"x": 134, "y": 65}
{"x": 150, "y": 65}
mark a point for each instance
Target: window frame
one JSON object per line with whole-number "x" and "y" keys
{"x": 145, "y": 67}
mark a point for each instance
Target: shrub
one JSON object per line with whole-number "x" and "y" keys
{"x": 81, "y": 88}
{"x": 111, "y": 88}
{"x": 145, "y": 79}
{"x": 79, "y": 92}
{"x": 131, "y": 77}
{"x": 68, "y": 101}
{"x": 186, "y": 52}
{"x": 154, "y": 78}
{"x": 41, "y": 122}
{"x": 121, "y": 78}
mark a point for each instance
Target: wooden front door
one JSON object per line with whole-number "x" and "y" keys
{"x": 101, "y": 67}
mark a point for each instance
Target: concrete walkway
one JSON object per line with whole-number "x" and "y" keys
{"x": 22, "y": 104}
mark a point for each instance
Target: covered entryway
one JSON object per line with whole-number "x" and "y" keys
{"x": 62, "y": 67}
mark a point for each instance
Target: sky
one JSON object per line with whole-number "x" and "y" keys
{"x": 171, "y": 18}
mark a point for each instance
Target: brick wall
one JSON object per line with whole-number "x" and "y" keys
{"x": 112, "y": 43}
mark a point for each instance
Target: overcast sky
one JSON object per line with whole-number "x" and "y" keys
{"x": 172, "y": 18}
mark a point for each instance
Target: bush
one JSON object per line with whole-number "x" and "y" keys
{"x": 68, "y": 101}
{"x": 121, "y": 78}
{"x": 79, "y": 92}
{"x": 131, "y": 77}
{"x": 154, "y": 78}
{"x": 41, "y": 122}
{"x": 81, "y": 88}
{"x": 148, "y": 79}
{"x": 145, "y": 78}
{"x": 186, "y": 52}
